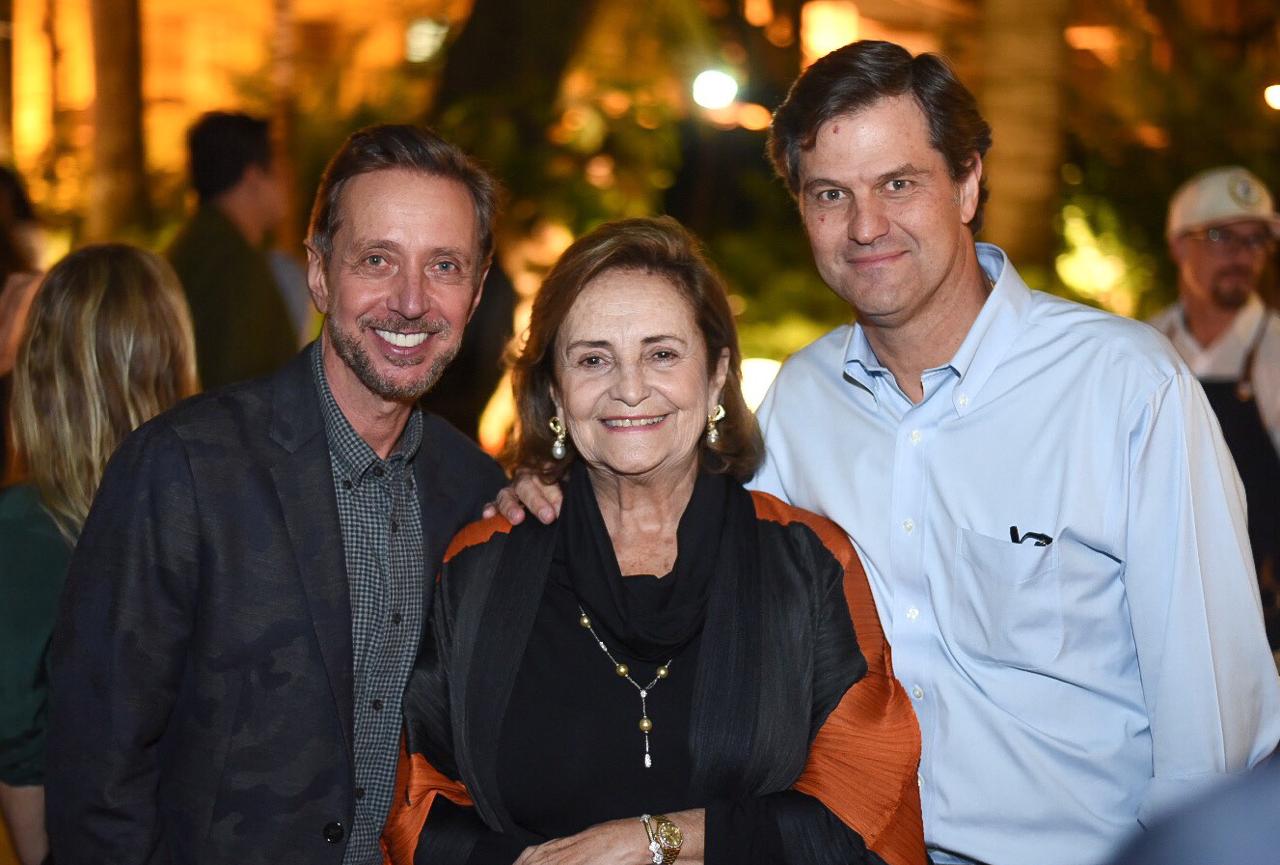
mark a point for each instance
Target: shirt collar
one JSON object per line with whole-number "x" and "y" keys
{"x": 995, "y": 328}
{"x": 1243, "y": 327}
{"x": 353, "y": 456}
{"x": 987, "y": 342}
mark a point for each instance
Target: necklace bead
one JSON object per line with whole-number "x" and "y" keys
{"x": 624, "y": 672}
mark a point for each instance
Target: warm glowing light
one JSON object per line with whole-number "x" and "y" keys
{"x": 1272, "y": 96}
{"x": 599, "y": 171}
{"x": 1101, "y": 41}
{"x": 754, "y": 117}
{"x": 423, "y": 39}
{"x": 498, "y": 417}
{"x": 758, "y": 13}
{"x": 714, "y": 89}
{"x": 826, "y": 25}
{"x": 757, "y": 374}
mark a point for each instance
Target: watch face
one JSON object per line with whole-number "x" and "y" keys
{"x": 668, "y": 835}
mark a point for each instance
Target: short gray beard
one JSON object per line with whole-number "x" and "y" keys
{"x": 355, "y": 356}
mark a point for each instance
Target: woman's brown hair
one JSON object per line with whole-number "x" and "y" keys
{"x": 108, "y": 346}
{"x": 658, "y": 246}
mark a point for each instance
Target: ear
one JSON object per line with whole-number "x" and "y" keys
{"x": 968, "y": 190}
{"x": 555, "y": 401}
{"x": 317, "y": 280}
{"x": 718, "y": 378}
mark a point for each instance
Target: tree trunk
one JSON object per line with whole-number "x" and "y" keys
{"x": 284, "y": 122}
{"x": 1022, "y": 98}
{"x": 118, "y": 184}
{"x": 6, "y": 81}
{"x": 514, "y": 48}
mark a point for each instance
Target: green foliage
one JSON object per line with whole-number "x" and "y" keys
{"x": 1202, "y": 91}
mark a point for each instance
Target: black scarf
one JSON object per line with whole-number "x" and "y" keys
{"x": 717, "y": 520}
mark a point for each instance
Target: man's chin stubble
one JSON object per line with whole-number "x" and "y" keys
{"x": 356, "y": 357}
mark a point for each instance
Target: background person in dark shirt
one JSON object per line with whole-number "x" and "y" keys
{"x": 243, "y": 327}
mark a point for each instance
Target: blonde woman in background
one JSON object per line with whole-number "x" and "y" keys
{"x": 108, "y": 345}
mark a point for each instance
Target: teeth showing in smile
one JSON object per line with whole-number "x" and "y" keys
{"x": 404, "y": 340}
{"x": 615, "y": 423}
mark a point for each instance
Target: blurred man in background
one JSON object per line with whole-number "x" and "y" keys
{"x": 243, "y": 326}
{"x": 1222, "y": 229}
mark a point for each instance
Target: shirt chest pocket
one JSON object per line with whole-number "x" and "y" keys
{"x": 1006, "y": 602}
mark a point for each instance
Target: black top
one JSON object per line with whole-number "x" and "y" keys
{"x": 571, "y": 752}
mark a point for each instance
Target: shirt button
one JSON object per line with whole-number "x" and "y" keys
{"x": 962, "y": 400}
{"x": 396, "y": 618}
{"x": 395, "y": 527}
{"x": 908, "y": 526}
{"x": 379, "y": 471}
{"x": 915, "y": 436}
{"x": 917, "y": 692}
{"x": 913, "y": 614}
{"x": 346, "y": 485}
{"x": 377, "y": 705}
{"x": 359, "y": 792}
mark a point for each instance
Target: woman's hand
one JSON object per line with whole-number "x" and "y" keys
{"x": 618, "y": 842}
{"x": 527, "y": 491}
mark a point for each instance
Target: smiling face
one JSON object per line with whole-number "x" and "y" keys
{"x": 400, "y": 286}
{"x": 887, "y": 224}
{"x": 632, "y": 381}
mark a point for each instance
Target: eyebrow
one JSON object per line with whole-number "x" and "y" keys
{"x": 364, "y": 243}
{"x": 906, "y": 169}
{"x": 604, "y": 343}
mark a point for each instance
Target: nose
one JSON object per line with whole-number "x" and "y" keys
{"x": 630, "y": 386}
{"x": 867, "y": 222}
{"x": 411, "y": 296}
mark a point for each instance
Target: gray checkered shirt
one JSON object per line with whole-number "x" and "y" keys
{"x": 381, "y": 521}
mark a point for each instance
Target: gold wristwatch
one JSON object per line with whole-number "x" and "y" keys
{"x": 665, "y": 838}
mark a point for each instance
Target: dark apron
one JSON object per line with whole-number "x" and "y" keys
{"x": 1256, "y": 459}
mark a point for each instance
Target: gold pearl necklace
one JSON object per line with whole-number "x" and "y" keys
{"x": 624, "y": 672}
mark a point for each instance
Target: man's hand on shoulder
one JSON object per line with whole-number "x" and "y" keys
{"x": 527, "y": 492}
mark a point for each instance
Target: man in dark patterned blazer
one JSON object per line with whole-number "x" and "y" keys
{"x": 247, "y": 596}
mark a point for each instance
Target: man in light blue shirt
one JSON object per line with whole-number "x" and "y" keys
{"x": 1052, "y": 526}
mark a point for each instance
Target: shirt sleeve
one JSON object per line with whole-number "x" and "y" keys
{"x": 432, "y": 819}
{"x": 1209, "y": 681}
{"x": 769, "y": 477}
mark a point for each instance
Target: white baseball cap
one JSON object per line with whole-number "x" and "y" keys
{"x": 1219, "y": 196}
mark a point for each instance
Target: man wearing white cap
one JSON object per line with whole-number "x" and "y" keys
{"x": 1222, "y": 229}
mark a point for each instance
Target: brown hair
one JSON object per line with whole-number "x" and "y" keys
{"x": 658, "y": 246}
{"x": 108, "y": 346}
{"x": 860, "y": 74}
{"x": 411, "y": 148}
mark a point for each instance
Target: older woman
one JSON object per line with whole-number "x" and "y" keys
{"x": 671, "y": 669}
{"x": 108, "y": 345}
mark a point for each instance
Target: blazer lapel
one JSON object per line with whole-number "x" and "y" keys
{"x": 304, "y": 484}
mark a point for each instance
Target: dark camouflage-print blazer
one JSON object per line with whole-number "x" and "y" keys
{"x": 201, "y": 707}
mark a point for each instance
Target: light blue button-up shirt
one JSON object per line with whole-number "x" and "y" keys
{"x": 1065, "y": 691}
